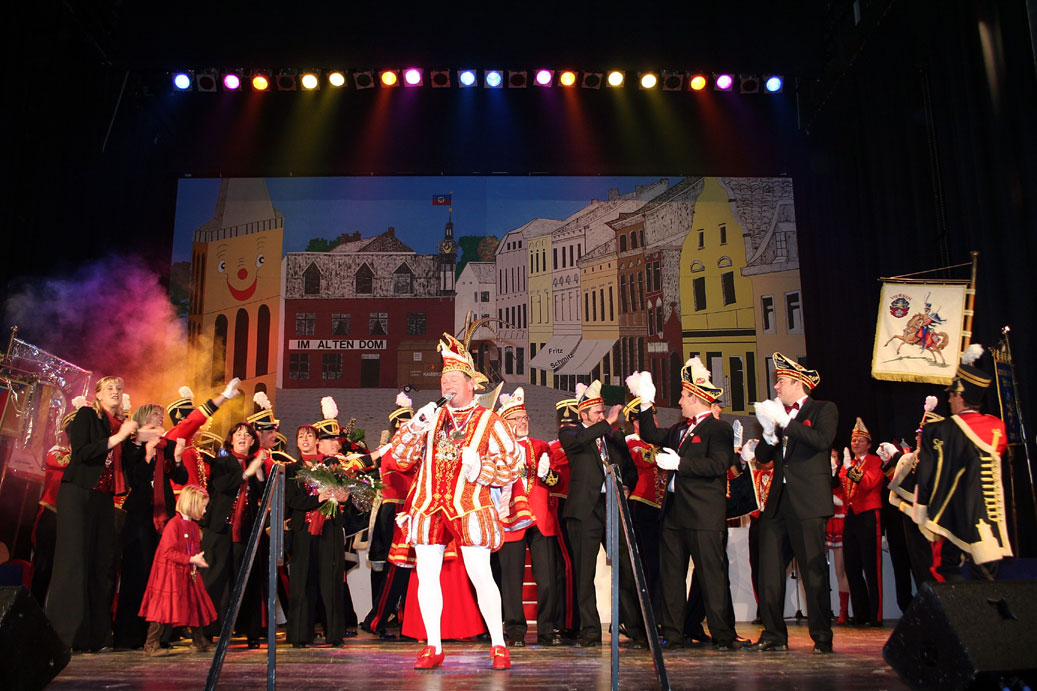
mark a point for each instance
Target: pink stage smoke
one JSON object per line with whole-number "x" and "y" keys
{"x": 113, "y": 317}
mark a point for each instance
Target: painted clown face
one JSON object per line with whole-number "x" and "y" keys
{"x": 240, "y": 262}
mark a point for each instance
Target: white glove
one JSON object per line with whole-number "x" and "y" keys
{"x": 837, "y": 501}
{"x": 634, "y": 384}
{"x": 847, "y": 459}
{"x": 423, "y": 418}
{"x": 749, "y": 450}
{"x": 647, "y": 391}
{"x": 764, "y": 416}
{"x": 667, "y": 459}
{"x": 886, "y": 451}
{"x": 737, "y": 428}
{"x": 781, "y": 418}
{"x": 835, "y": 464}
{"x": 543, "y": 466}
{"x": 471, "y": 464}
{"x": 232, "y": 389}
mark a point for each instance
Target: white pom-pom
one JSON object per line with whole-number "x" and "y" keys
{"x": 930, "y": 403}
{"x": 262, "y": 400}
{"x": 581, "y": 388}
{"x": 328, "y": 408}
{"x": 185, "y": 392}
{"x": 403, "y": 401}
{"x": 79, "y": 402}
{"x": 633, "y": 383}
{"x": 971, "y": 354}
{"x": 503, "y": 400}
{"x": 126, "y": 401}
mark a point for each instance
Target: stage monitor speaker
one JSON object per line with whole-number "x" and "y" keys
{"x": 31, "y": 653}
{"x": 977, "y": 634}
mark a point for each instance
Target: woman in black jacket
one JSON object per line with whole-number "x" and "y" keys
{"x": 236, "y": 486}
{"x": 102, "y": 450}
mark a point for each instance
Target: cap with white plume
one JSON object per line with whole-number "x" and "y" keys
{"x": 328, "y": 428}
{"x": 263, "y": 419}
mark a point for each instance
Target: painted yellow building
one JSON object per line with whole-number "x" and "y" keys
{"x": 717, "y": 320}
{"x": 236, "y": 291}
{"x": 599, "y": 299}
{"x": 541, "y": 323}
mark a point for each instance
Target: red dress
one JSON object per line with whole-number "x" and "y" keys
{"x": 175, "y": 593}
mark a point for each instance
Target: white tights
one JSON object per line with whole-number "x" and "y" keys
{"x": 430, "y": 593}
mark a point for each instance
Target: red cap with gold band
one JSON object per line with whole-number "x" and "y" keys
{"x": 859, "y": 430}
{"x": 456, "y": 358}
{"x": 787, "y": 367}
{"x": 512, "y": 405}
{"x": 588, "y": 396}
{"x": 695, "y": 379}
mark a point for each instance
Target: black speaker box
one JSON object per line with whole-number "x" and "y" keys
{"x": 967, "y": 636}
{"x": 31, "y": 653}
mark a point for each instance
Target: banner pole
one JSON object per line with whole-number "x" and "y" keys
{"x": 970, "y": 302}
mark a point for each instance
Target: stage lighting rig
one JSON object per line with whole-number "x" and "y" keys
{"x": 723, "y": 82}
{"x": 287, "y": 80}
{"x": 336, "y": 78}
{"x": 363, "y": 79}
{"x": 518, "y": 79}
{"x": 205, "y": 80}
{"x": 183, "y": 81}
{"x": 616, "y": 78}
{"x": 673, "y": 81}
{"x": 647, "y": 80}
{"x": 748, "y": 84}
{"x": 310, "y": 80}
{"x": 773, "y": 83}
{"x": 592, "y": 80}
{"x": 493, "y": 79}
{"x": 439, "y": 79}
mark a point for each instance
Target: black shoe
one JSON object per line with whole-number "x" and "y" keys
{"x": 386, "y": 636}
{"x": 483, "y": 637}
{"x": 768, "y": 646}
{"x": 823, "y": 649}
{"x": 667, "y": 644}
{"x": 517, "y": 643}
{"x": 727, "y": 646}
{"x": 875, "y": 624}
{"x": 350, "y": 633}
{"x": 690, "y": 642}
{"x": 588, "y": 644}
{"x": 337, "y": 643}
{"x": 253, "y": 643}
{"x": 298, "y": 645}
{"x": 742, "y": 642}
{"x": 549, "y": 640}
{"x": 637, "y": 644}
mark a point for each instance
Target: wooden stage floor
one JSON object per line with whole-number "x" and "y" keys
{"x": 369, "y": 664}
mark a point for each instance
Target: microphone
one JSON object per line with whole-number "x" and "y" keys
{"x": 446, "y": 399}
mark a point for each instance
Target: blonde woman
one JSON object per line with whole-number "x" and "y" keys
{"x": 101, "y": 447}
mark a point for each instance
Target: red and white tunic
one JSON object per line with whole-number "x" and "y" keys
{"x": 446, "y": 504}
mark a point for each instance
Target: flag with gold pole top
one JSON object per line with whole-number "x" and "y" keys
{"x": 923, "y": 326}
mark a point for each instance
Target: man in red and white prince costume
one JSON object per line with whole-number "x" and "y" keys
{"x": 461, "y": 450}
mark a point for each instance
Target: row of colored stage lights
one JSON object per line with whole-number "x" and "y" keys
{"x": 293, "y": 80}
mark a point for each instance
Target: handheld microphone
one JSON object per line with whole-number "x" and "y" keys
{"x": 446, "y": 399}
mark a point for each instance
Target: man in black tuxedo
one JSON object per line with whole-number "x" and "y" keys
{"x": 694, "y": 510}
{"x": 797, "y": 434}
{"x": 589, "y": 446}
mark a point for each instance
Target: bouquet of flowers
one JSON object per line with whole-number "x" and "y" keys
{"x": 321, "y": 479}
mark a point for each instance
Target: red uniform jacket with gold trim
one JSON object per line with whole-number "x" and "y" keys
{"x": 54, "y": 467}
{"x": 867, "y": 494}
{"x": 651, "y": 483}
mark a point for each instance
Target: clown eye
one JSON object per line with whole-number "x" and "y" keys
{"x": 222, "y": 266}
{"x": 259, "y": 261}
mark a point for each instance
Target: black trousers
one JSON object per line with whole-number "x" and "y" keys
{"x": 317, "y": 576}
{"x": 79, "y": 603}
{"x": 139, "y": 540}
{"x": 588, "y": 535}
{"x": 46, "y": 534}
{"x": 225, "y": 558}
{"x": 647, "y": 527}
{"x": 389, "y": 599}
{"x": 920, "y": 551}
{"x": 862, "y": 554}
{"x": 807, "y": 537}
{"x": 567, "y": 614}
{"x": 513, "y": 570}
{"x": 899, "y": 557}
{"x": 695, "y": 610}
{"x": 706, "y": 550}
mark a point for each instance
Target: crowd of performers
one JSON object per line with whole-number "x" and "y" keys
{"x": 166, "y": 515}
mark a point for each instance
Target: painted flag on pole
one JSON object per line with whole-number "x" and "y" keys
{"x": 441, "y": 200}
{"x": 918, "y": 334}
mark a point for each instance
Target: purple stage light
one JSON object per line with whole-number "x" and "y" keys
{"x": 724, "y": 82}
{"x": 544, "y": 77}
{"x": 231, "y": 82}
{"x": 412, "y": 76}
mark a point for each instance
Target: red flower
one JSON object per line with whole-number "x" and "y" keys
{"x": 806, "y": 423}
{"x": 696, "y": 439}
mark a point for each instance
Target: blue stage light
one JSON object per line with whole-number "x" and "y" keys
{"x": 493, "y": 79}
{"x": 182, "y": 81}
{"x": 773, "y": 84}
{"x": 466, "y": 77}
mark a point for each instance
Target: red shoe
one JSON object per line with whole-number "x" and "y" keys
{"x": 500, "y": 656}
{"x": 429, "y": 658}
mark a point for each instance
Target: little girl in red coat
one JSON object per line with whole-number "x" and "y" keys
{"x": 176, "y": 595}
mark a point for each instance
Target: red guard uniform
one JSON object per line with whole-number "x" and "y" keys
{"x": 862, "y": 536}
{"x": 45, "y": 529}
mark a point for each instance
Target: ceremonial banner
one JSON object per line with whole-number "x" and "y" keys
{"x": 918, "y": 334}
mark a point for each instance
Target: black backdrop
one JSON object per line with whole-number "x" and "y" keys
{"x": 909, "y": 134}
